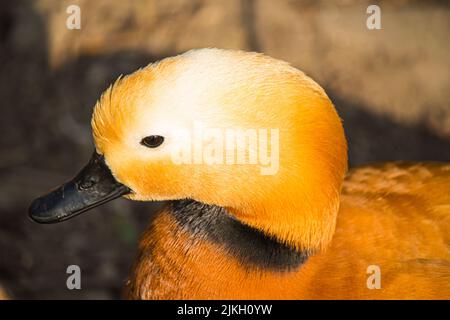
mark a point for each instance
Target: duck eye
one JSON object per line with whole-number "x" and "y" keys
{"x": 152, "y": 141}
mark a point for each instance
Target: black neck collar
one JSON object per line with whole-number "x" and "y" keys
{"x": 250, "y": 246}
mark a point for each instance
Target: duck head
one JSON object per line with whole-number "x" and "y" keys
{"x": 238, "y": 130}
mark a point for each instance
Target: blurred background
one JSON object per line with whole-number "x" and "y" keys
{"x": 390, "y": 86}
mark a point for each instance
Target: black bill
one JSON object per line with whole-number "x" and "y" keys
{"x": 93, "y": 186}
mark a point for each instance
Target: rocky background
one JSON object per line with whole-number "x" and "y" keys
{"x": 391, "y": 87}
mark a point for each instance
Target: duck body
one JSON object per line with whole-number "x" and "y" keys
{"x": 289, "y": 224}
{"x": 386, "y": 219}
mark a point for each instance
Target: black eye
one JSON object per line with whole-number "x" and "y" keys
{"x": 152, "y": 141}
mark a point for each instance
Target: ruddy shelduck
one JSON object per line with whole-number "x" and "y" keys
{"x": 305, "y": 230}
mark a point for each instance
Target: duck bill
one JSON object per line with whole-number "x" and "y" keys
{"x": 94, "y": 185}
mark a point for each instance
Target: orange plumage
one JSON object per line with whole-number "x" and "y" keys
{"x": 394, "y": 215}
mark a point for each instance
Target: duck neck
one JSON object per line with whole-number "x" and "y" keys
{"x": 249, "y": 245}
{"x": 305, "y": 226}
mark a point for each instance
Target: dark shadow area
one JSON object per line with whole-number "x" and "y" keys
{"x": 375, "y": 138}
{"x": 46, "y": 138}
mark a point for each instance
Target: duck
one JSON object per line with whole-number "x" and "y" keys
{"x": 262, "y": 205}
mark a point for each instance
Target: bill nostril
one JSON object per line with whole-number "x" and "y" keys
{"x": 86, "y": 184}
